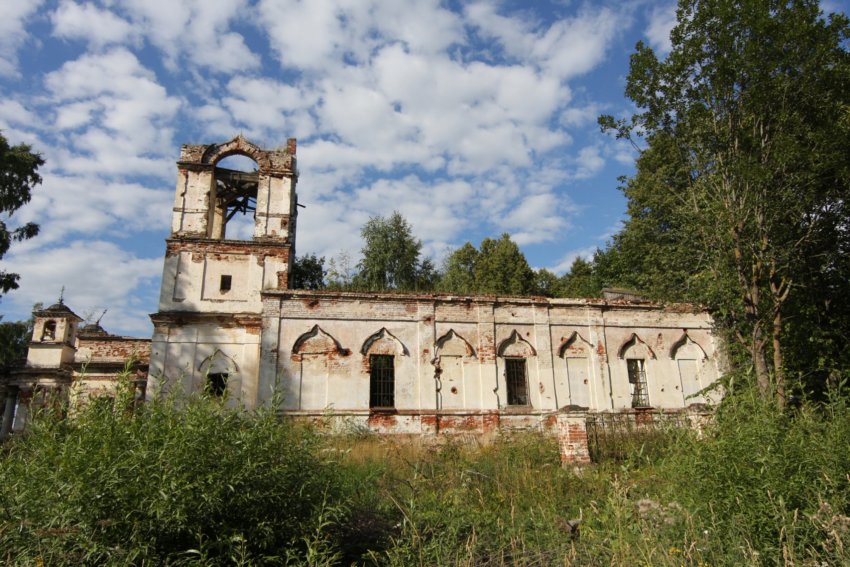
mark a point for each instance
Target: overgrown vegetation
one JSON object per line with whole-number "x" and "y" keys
{"x": 191, "y": 482}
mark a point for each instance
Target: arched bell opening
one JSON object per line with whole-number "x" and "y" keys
{"x": 234, "y": 198}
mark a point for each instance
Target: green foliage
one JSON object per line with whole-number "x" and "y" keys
{"x": 191, "y": 484}
{"x": 206, "y": 485}
{"x": 502, "y": 268}
{"x": 308, "y": 272}
{"x": 739, "y": 198}
{"x": 581, "y": 281}
{"x": 498, "y": 268}
{"x": 459, "y": 271}
{"x": 18, "y": 176}
{"x": 391, "y": 257}
{"x": 14, "y": 341}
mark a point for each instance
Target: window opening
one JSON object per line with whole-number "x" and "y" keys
{"x": 237, "y": 183}
{"x": 49, "y": 333}
{"x": 381, "y": 381}
{"x": 217, "y": 384}
{"x": 637, "y": 381}
{"x": 226, "y": 282}
{"x": 516, "y": 381}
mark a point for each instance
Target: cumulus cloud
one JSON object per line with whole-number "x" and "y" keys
{"x": 470, "y": 121}
{"x": 198, "y": 31}
{"x": 66, "y": 206}
{"x": 118, "y": 113}
{"x": 563, "y": 265}
{"x": 14, "y": 15}
{"x": 662, "y": 19}
{"x": 94, "y": 273}
{"x": 87, "y": 22}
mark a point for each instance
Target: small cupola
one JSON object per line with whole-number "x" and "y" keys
{"x": 56, "y": 324}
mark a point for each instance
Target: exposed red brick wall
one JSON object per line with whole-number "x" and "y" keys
{"x": 116, "y": 348}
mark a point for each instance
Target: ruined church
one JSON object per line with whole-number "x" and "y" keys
{"x": 421, "y": 364}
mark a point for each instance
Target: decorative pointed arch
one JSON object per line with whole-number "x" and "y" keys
{"x": 686, "y": 347}
{"x": 454, "y": 344}
{"x": 383, "y": 342}
{"x": 575, "y": 343}
{"x": 635, "y": 342}
{"x": 517, "y": 346}
{"x": 218, "y": 362}
{"x": 317, "y": 341}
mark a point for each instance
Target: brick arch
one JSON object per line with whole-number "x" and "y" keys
{"x": 317, "y": 341}
{"x": 515, "y": 345}
{"x": 385, "y": 342}
{"x": 237, "y": 146}
{"x": 575, "y": 342}
{"x": 685, "y": 341}
{"x": 635, "y": 342}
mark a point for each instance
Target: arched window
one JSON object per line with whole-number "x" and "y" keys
{"x": 382, "y": 348}
{"x": 514, "y": 351}
{"x": 636, "y": 352}
{"x": 49, "y": 331}
{"x": 235, "y": 196}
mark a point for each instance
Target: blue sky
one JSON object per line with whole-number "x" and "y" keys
{"x": 471, "y": 119}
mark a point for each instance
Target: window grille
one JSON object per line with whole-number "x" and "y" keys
{"x": 516, "y": 381}
{"x": 381, "y": 381}
{"x": 637, "y": 381}
{"x": 217, "y": 384}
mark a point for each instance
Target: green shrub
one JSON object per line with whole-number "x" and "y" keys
{"x": 770, "y": 485}
{"x": 170, "y": 483}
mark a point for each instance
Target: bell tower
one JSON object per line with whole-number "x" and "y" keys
{"x": 210, "y": 300}
{"x": 205, "y": 271}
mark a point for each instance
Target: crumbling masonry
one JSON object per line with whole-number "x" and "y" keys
{"x": 421, "y": 364}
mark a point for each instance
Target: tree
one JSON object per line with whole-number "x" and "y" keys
{"x": 18, "y": 176}
{"x": 580, "y": 281}
{"x": 459, "y": 271}
{"x": 14, "y": 341}
{"x": 503, "y": 269}
{"x": 391, "y": 257}
{"x": 498, "y": 268}
{"x": 308, "y": 272}
{"x": 546, "y": 283}
{"x": 742, "y": 184}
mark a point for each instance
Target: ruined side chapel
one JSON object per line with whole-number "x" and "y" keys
{"x": 417, "y": 363}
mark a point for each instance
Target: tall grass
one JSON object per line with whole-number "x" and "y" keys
{"x": 176, "y": 483}
{"x": 195, "y": 483}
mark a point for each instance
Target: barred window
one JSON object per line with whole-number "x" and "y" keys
{"x": 637, "y": 381}
{"x": 516, "y": 381}
{"x": 381, "y": 381}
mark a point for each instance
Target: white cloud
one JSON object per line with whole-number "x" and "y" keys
{"x": 94, "y": 273}
{"x": 567, "y": 48}
{"x": 566, "y": 261}
{"x": 317, "y": 35}
{"x": 197, "y": 30}
{"x": 119, "y": 114}
{"x": 87, "y": 22}
{"x": 67, "y": 206}
{"x": 662, "y": 19}
{"x": 536, "y": 218}
{"x": 13, "y": 112}
{"x": 13, "y": 17}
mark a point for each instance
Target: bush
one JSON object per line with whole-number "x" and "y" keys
{"x": 171, "y": 483}
{"x": 769, "y": 486}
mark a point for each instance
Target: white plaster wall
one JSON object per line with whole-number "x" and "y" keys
{"x": 480, "y": 380}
